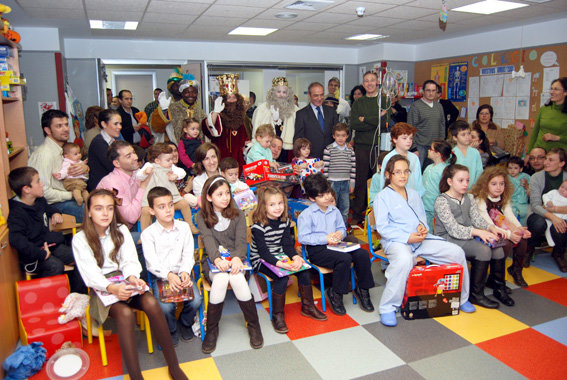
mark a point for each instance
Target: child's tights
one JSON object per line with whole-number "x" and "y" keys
{"x": 220, "y": 283}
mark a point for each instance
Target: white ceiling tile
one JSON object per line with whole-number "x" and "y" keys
{"x": 261, "y": 23}
{"x": 558, "y": 4}
{"x": 75, "y": 4}
{"x": 214, "y": 21}
{"x": 312, "y": 26}
{"x": 56, "y": 13}
{"x": 232, "y": 11}
{"x": 177, "y": 7}
{"x": 407, "y": 12}
{"x": 167, "y": 18}
{"x": 374, "y": 21}
{"x": 248, "y": 3}
{"x": 114, "y": 16}
{"x": 335, "y": 18}
{"x": 202, "y": 32}
{"x": 429, "y": 4}
{"x": 350, "y": 7}
{"x": 113, "y": 5}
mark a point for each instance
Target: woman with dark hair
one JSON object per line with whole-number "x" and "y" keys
{"x": 111, "y": 124}
{"x": 480, "y": 142}
{"x": 550, "y": 129}
{"x": 91, "y": 124}
{"x": 484, "y": 115}
{"x": 356, "y": 92}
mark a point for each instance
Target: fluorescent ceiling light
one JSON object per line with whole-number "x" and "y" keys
{"x": 115, "y": 25}
{"x": 365, "y": 37}
{"x": 489, "y": 7}
{"x": 249, "y": 31}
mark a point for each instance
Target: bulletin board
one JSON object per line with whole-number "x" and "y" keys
{"x": 516, "y": 101}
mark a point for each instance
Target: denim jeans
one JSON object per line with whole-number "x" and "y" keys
{"x": 187, "y": 314}
{"x": 71, "y": 208}
{"x": 342, "y": 190}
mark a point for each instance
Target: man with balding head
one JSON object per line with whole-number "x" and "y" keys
{"x": 315, "y": 121}
{"x": 536, "y": 158}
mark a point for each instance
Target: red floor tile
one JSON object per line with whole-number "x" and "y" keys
{"x": 531, "y": 353}
{"x": 303, "y": 327}
{"x": 555, "y": 290}
{"x": 96, "y": 370}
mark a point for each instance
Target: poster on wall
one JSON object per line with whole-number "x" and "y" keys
{"x": 46, "y": 106}
{"x": 457, "y": 86}
{"x": 439, "y": 74}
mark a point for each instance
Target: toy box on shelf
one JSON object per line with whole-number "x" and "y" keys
{"x": 259, "y": 172}
{"x": 433, "y": 291}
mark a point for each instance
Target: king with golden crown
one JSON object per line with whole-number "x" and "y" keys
{"x": 227, "y": 125}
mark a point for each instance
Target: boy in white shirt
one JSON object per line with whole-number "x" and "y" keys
{"x": 168, "y": 249}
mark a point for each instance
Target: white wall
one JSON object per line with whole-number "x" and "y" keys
{"x": 209, "y": 51}
{"x": 39, "y": 39}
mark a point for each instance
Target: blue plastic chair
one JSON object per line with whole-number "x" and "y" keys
{"x": 370, "y": 225}
{"x": 322, "y": 271}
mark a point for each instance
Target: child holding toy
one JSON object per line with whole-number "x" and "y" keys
{"x": 270, "y": 237}
{"x": 223, "y": 224}
{"x": 401, "y": 223}
{"x": 492, "y": 193}
{"x": 458, "y": 220}
{"x": 103, "y": 249}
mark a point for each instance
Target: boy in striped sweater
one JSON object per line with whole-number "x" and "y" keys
{"x": 340, "y": 167}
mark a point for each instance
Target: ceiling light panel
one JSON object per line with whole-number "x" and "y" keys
{"x": 489, "y": 7}
{"x": 250, "y": 31}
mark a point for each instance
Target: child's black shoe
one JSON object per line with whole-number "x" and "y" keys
{"x": 186, "y": 333}
{"x": 335, "y": 301}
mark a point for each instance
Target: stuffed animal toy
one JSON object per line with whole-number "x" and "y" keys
{"x": 5, "y": 28}
{"x": 146, "y": 135}
{"x": 74, "y": 307}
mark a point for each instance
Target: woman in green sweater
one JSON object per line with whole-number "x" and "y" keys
{"x": 364, "y": 120}
{"x": 550, "y": 129}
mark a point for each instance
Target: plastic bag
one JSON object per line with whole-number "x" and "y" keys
{"x": 25, "y": 361}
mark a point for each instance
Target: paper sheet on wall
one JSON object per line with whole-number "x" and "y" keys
{"x": 491, "y": 85}
{"x": 544, "y": 98}
{"x": 472, "y": 107}
{"x": 549, "y": 75}
{"x": 497, "y": 103}
{"x": 523, "y": 85}
{"x": 506, "y": 122}
{"x": 510, "y": 86}
{"x": 474, "y": 83}
{"x": 504, "y": 107}
{"x": 523, "y": 107}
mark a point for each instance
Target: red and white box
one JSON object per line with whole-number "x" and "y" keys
{"x": 433, "y": 291}
{"x": 259, "y": 171}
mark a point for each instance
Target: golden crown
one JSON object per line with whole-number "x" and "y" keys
{"x": 279, "y": 81}
{"x": 228, "y": 84}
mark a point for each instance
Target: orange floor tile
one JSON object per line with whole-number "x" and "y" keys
{"x": 531, "y": 353}
{"x": 303, "y": 327}
{"x": 555, "y": 290}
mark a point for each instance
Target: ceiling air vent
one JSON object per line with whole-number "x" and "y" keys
{"x": 309, "y": 5}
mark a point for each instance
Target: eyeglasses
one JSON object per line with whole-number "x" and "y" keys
{"x": 537, "y": 158}
{"x": 400, "y": 172}
{"x": 484, "y": 113}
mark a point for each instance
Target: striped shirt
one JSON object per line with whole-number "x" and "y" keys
{"x": 429, "y": 121}
{"x": 270, "y": 240}
{"x": 340, "y": 163}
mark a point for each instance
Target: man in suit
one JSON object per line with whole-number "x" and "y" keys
{"x": 315, "y": 122}
{"x": 130, "y": 126}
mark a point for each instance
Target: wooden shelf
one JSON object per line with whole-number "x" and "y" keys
{"x": 15, "y": 152}
{"x": 9, "y": 99}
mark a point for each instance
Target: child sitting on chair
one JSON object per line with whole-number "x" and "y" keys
{"x": 402, "y": 225}
{"x": 39, "y": 250}
{"x": 168, "y": 250}
{"x": 320, "y": 225}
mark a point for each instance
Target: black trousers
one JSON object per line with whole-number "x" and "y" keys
{"x": 279, "y": 284}
{"x": 363, "y": 172}
{"x": 61, "y": 255}
{"x": 340, "y": 263}
{"x": 537, "y": 226}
